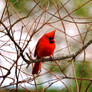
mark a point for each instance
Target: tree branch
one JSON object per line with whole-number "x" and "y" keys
{"x": 72, "y": 56}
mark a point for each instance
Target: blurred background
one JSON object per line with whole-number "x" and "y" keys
{"x": 27, "y": 21}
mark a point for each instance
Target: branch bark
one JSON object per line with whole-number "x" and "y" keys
{"x": 72, "y": 56}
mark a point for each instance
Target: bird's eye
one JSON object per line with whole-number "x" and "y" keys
{"x": 51, "y": 38}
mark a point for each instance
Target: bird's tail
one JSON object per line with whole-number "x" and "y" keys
{"x": 36, "y": 67}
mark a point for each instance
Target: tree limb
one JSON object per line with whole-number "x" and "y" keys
{"x": 72, "y": 56}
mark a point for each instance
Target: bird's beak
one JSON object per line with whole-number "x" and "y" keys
{"x": 53, "y": 40}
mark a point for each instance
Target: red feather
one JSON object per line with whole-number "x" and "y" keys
{"x": 45, "y": 47}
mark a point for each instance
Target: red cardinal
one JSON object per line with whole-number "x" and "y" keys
{"x": 45, "y": 47}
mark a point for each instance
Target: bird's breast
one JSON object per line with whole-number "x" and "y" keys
{"x": 46, "y": 49}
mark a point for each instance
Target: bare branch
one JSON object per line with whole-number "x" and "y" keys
{"x": 72, "y": 56}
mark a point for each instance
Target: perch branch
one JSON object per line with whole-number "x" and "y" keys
{"x": 72, "y": 56}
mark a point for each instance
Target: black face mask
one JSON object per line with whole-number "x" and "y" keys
{"x": 51, "y": 39}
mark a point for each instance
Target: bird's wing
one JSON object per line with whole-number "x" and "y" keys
{"x": 38, "y": 45}
{"x": 36, "y": 48}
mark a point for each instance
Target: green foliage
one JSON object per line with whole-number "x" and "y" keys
{"x": 54, "y": 69}
{"x": 21, "y": 90}
{"x": 20, "y": 5}
{"x": 90, "y": 89}
{"x": 83, "y": 72}
{"x": 83, "y": 11}
{"x": 45, "y": 3}
{"x": 62, "y": 67}
{"x": 52, "y": 90}
{"x": 79, "y": 70}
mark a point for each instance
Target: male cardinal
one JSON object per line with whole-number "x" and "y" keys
{"x": 45, "y": 47}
